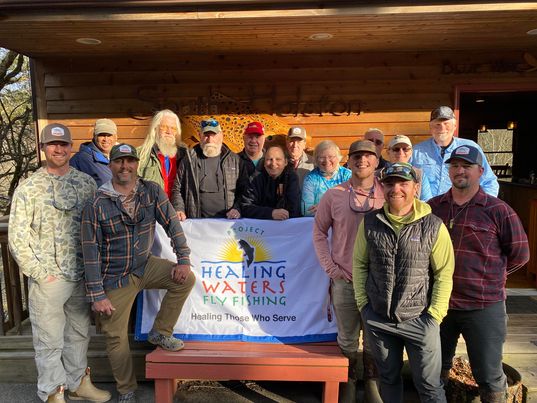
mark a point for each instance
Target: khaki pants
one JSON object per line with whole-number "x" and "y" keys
{"x": 60, "y": 318}
{"x": 157, "y": 275}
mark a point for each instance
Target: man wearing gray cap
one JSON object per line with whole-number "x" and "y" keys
{"x": 44, "y": 238}
{"x": 118, "y": 229}
{"x": 430, "y": 155}
{"x": 301, "y": 162}
{"x": 341, "y": 210}
{"x": 92, "y": 158}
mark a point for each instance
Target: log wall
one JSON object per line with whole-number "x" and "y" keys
{"x": 335, "y": 96}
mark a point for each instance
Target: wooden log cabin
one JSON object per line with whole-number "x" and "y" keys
{"x": 337, "y": 68}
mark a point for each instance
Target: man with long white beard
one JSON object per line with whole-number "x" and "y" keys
{"x": 210, "y": 178}
{"x": 162, "y": 150}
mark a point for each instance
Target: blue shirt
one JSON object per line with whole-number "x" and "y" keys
{"x": 315, "y": 184}
{"x": 427, "y": 156}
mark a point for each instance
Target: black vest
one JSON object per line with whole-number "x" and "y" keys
{"x": 399, "y": 283}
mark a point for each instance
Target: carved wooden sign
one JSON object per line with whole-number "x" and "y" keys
{"x": 215, "y": 102}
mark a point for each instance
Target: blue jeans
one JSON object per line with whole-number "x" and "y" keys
{"x": 421, "y": 339}
{"x": 484, "y": 331}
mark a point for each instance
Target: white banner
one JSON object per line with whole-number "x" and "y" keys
{"x": 256, "y": 280}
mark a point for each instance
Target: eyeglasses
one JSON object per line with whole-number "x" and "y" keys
{"x": 398, "y": 169}
{"x": 364, "y": 207}
{"x": 65, "y": 198}
{"x": 165, "y": 128}
{"x": 210, "y": 122}
{"x": 405, "y": 149}
{"x": 376, "y": 141}
{"x": 328, "y": 158}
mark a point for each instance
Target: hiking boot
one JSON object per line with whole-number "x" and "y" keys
{"x": 87, "y": 391}
{"x": 57, "y": 397}
{"x": 169, "y": 343}
{"x": 129, "y": 397}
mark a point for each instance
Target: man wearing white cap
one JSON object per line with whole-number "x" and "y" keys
{"x": 431, "y": 155}
{"x": 400, "y": 150}
{"x": 44, "y": 238}
{"x": 298, "y": 159}
{"x": 93, "y": 156}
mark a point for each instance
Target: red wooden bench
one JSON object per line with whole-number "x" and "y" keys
{"x": 219, "y": 361}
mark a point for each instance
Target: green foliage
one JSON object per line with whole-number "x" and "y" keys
{"x": 17, "y": 140}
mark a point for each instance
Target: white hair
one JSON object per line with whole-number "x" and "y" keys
{"x": 152, "y": 133}
{"x": 325, "y": 145}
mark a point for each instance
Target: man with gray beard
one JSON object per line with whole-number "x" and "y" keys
{"x": 162, "y": 150}
{"x": 210, "y": 178}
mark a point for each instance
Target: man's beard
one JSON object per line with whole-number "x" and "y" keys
{"x": 211, "y": 149}
{"x": 167, "y": 146}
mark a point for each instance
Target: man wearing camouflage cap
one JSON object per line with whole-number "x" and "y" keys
{"x": 44, "y": 238}
{"x": 118, "y": 229}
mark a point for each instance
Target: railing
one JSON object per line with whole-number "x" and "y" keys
{"x": 14, "y": 295}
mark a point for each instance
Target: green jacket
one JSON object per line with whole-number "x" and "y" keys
{"x": 442, "y": 261}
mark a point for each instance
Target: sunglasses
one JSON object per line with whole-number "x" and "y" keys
{"x": 364, "y": 207}
{"x": 376, "y": 141}
{"x": 210, "y": 122}
{"x": 397, "y": 169}
{"x": 64, "y": 196}
{"x": 405, "y": 149}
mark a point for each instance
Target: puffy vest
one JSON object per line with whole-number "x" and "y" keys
{"x": 399, "y": 283}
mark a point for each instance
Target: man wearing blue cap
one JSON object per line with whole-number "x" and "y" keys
{"x": 489, "y": 243}
{"x": 431, "y": 154}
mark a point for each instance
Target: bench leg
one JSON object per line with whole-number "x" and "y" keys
{"x": 330, "y": 392}
{"x": 165, "y": 390}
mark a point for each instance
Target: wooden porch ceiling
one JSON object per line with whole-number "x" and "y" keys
{"x": 256, "y": 28}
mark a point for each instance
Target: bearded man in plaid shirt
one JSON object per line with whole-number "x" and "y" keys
{"x": 489, "y": 242}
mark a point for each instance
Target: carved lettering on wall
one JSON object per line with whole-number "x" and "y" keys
{"x": 256, "y": 101}
{"x": 495, "y": 66}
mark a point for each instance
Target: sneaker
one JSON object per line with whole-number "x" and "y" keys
{"x": 129, "y": 397}
{"x": 57, "y": 397}
{"x": 87, "y": 391}
{"x": 169, "y": 343}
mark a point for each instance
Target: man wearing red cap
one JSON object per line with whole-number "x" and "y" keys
{"x": 254, "y": 140}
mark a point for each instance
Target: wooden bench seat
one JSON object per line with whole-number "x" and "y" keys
{"x": 219, "y": 361}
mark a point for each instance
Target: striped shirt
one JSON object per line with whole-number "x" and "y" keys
{"x": 489, "y": 240}
{"x": 115, "y": 245}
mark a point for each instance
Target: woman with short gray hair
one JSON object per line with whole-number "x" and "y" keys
{"x": 326, "y": 174}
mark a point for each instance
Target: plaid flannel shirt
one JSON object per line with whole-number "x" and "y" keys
{"x": 488, "y": 239}
{"x": 115, "y": 245}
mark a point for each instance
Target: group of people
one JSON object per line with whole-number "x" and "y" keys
{"x": 417, "y": 247}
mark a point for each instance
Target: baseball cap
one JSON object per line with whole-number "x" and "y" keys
{"x": 123, "y": 150}
{"x": 363, "y": 145}
{"x": 104, "y": 126}
{"x": 467, "y": 153}
{"x": 210, "y": 126}
{"x": 401, "y": 170}
{"x": 255, "y": 128}
{"x": 399, "y": 139}
{"x": 442, "y": 113}
{"x": 297, "y": 131}
{"x": 55, "y": 132}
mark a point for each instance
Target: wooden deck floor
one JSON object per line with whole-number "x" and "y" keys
{"x": 520, "y": 349}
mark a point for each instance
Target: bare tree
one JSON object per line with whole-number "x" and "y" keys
{"x": 17, "y": 142}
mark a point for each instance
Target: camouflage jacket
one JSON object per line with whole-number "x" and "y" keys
{"x": 44, "y": 224}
